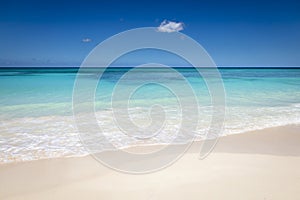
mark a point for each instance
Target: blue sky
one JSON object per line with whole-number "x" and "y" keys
{"x": 235, "y": 33}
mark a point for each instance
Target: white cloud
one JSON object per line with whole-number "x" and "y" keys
{"x": 86, "y": 40}
{"x": 169, "y": 27}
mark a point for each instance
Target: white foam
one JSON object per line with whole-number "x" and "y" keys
{"x": 24, "y": 139}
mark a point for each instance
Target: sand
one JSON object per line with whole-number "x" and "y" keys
{"x": 263, "y": 164}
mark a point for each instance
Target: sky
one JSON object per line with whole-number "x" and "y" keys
{"x": 234, "y": 33}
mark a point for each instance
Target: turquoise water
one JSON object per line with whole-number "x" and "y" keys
{"x": 37, "y": 117}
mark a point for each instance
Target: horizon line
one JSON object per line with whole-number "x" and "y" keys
{"x": 119, "y": 66}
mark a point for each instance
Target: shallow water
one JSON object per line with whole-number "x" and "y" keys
{"x": 36, "y": 115}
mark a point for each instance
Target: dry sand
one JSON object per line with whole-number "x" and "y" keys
{"x": 256, "y": 165}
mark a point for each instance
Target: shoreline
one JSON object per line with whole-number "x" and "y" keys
{"x": 195, "y": 144}
{"x": 218, "y": 148}
{"x": 234, "y": 170}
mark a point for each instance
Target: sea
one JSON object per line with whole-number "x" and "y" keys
{"x": 37, "y": 118}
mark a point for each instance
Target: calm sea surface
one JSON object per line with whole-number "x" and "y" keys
{"x": 36, "y": 116}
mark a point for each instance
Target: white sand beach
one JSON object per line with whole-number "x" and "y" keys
{"x": 262, "y": 164}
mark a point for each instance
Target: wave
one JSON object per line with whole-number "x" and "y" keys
{"x": 33, "y": 138}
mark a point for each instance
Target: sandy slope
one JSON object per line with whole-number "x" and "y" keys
{"x": 258, "y": 165}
